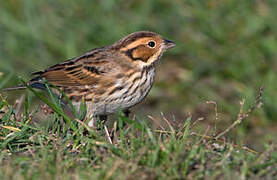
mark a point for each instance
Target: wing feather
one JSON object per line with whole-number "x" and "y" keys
{"x": 84, "y": 70}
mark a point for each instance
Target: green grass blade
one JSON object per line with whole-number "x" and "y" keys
{"x": 53, "y": 106}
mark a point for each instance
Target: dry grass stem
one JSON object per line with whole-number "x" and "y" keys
{"x": 224, "y": 142}
{"x": 168, "y": 123}
{"x": 84, "y": 125}
{"x": 221, "y": 163}
{"x": 241, "y": 116}
{"x": 216, "y": 113}
{"x": 156, "y": 122}
{"x": 113, "y": 169}
{"x": 196, "y": 121}
{"x": 265, "y": 154}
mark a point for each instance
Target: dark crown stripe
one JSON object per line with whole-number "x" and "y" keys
{"x": 135, "y": 36}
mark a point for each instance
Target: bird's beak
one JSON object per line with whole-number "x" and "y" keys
{"x": 168, "y": 44}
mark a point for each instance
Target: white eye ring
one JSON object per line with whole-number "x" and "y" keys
{"x": 151, "y": 44}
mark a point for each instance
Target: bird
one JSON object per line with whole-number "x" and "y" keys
{"x": 110, "y": 78}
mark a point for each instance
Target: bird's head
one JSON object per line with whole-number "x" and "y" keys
{"x": 143, "y": 48}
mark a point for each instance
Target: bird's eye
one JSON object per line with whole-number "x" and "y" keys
{"x": 151, "y": 44}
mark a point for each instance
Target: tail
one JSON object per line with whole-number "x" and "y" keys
{"x": 19, "y": 87}
{"x": 34, "y": 83}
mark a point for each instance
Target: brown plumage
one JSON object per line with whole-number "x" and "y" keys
{"x": 109, "y": 78}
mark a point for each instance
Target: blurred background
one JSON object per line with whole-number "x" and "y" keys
{"x": 225, "y": 50}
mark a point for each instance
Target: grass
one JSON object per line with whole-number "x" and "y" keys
{"x": 65, "y": 148}
{"x": 32, "y": 151}
{"x": 225, "y": 51}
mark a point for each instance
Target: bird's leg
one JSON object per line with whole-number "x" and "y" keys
{"x": 103, "y": 119}
{"x": 115, "y": 129}
{"x": 126, "y": 112}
